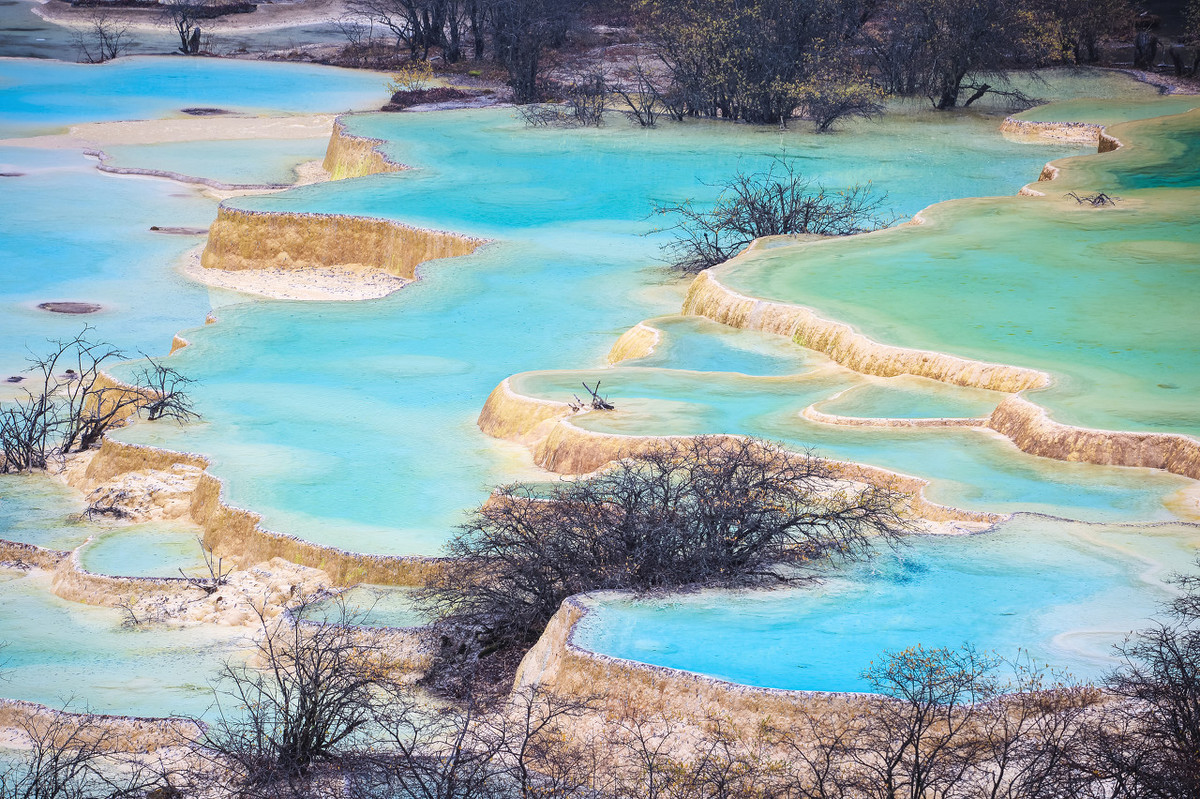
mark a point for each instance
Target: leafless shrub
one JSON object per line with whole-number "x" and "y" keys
{"x": 544, "y": 115}
{"x": 833, "y": 96}
{"x": 73, "y": 756}
{"x": 307, "y": 706}
{"x": 217, "y": 574}
{"x": 776, "y": 202}
{"x": 103, "y": 37}
{"x": 703, "y": 511}
{"x": 585, "y": 101}
{"x": 70, "y": 405}
{"x": 164, "y": 393}
{"x": 468, "y": 751}
{"x": 638, "y": 89}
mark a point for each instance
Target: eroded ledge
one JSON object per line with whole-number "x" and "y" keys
{"x": 638, "y": 341}
{"x": 14, "y": 554}
{"x": 241, "y": 239}
{"x": 560, "y": 446}
{"x": 559, "y": 666}
{"x": 709, "y": 298}
{"x": 235, "y": 533}
{"x": 813, "y": 415}
{"x": 1033, "y": 431}
{"x": 1084, "y": 132}
{"x": 350, "y": 156}
{"x": 119, "y": 733}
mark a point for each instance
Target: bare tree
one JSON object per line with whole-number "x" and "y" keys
{"x": 1151, "y": 740}
{"x": 748, "y": 61}
{"x": 359, "y": 33}
{"x": 818, "y": 758}
{"x": 918, "y": 744}
{"x": 522, "y": 31}
{"x": 103, "y": 37}
{"x": 940, "y": 49}
{"x": 164, "y": 392}
{"x": 73, "y": 756}
{"x": 72, "y": 404}
{"x": 68, "y": 406}
{"x": 419, "y": 26}
{"x": 637, "y": 87}
{"x": 467, "y": 751}
{"x": 1029, "y": 737}
{"x": 702, "y": 511}
{"x": 185, "y": 16}
{"x": 428, "y": 752}
{"x": 309, "y": 706}
{"x": 775, "y": 202}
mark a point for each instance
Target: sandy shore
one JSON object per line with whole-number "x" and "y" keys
{"x": 183, "y": 129}
{"x": 328, "y": 284}
{"x": 266, "y": 17}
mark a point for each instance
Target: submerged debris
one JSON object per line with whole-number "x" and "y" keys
{"x": 597, "y": 403}
{"x": 1095, "y": 200}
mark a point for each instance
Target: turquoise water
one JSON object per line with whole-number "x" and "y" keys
{"x": 152, "y": 549}
{"x": 58, "y": 652}
{"x": 102, "y": 252}
{"x": 687, "y": 342}
{"x": 1109, "y": 112}
{"x": 966, "y": 468}
{"x": 907, "y": 397}
{"x": 37, "y": 510}
{"x": 39, "y": 96}
{"x": 354, "y": 423}
{"x": 262, "y": 161}
{"x": 1100, "y": 298}
{"x": 327, "y": 424}
{"x": 1065, "y": 593}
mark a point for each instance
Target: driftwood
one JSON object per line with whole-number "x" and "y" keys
{"x": 1094, "y": 200}
{"x": 597, "y": 402}
{"x": 217, "y": 576}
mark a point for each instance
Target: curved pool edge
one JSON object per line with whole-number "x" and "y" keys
{"x": 545, "y": 429}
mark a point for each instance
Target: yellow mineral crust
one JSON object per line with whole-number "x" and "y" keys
{"x": 241, "y": 239}
{"x": 709, "y": 298}
{"x": 122, "y": 733}
{"x": 1033, "y": 431}
{"x": 350, "y": 156}
{"x": 560, "y": 446}
{"x": 636, "y": 342}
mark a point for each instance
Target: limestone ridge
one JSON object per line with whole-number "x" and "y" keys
{"x": 350, "y": 156}
{"x": 241, "y": 239}
{"x": 557, "y": 445}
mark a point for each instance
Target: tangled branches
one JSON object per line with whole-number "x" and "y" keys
{"x": 777, "y": 202}
{"x": 73, "y": 403}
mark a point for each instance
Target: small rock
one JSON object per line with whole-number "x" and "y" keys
{"x": 69, "y": 307}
